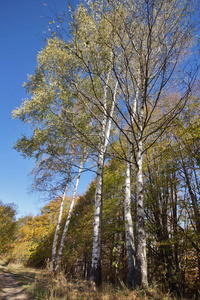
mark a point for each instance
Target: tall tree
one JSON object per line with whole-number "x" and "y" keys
{"x": 55, "y": 143}
{"x": 111, "y": 74}
{"x": 152, "y": 37}
{"x": 96, "y": 59}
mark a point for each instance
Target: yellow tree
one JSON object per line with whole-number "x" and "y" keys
{"x": 7, "y": 226}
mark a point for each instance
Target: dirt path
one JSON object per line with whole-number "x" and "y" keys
{"x": 10, "y": 289}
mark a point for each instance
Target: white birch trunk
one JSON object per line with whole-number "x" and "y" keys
{"x": 55, "y": 240}
{"x": 69, "y": 215}
{"x": 141, "y": 260}
{"x": 109, "y": 121}
{"x": 129, "y": 234}
{"x": 95, "y": 273}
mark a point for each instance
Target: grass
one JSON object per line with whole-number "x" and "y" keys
{"x": 41, "y": 285}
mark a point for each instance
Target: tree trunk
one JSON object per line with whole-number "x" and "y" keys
{"x": 129, "y": 235}
{"x": 69, "y": 216}
{"x": 141, "y": 260}
{"x": 195, "y": 207}
{"x": 55, "y": 240}
{"x": 95, "y": 272}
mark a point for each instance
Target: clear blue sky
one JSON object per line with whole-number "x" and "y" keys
{"x": 22, "y": 23}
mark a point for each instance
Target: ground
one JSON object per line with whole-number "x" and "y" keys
{"x": 10, "y": 288}
{"x": 22, "y": 283}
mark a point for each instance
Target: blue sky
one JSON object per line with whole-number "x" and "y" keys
{"x": 22, "y": 23}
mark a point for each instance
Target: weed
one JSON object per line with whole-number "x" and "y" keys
{"x": 43, "y": 285}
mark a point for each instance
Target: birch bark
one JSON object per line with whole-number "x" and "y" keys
{"x": 129, "y": 234}
{"x": 95, "y": 272}
{"x": 55, "y": 240}
{"x": 141, "y": 261}
{"x": 56, "y": 269}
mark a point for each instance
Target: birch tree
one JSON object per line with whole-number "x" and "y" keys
{"x": 111, "y": 73}
{"x": 130, "y": 242}
{"x": 70, "y": 87}
{"x": 95, "y": 62}
{"x": 57, "y": 231}
{"x": 55, "y": 144}
{"x": 69, "y": 215}
{"x": 152, "y": 40}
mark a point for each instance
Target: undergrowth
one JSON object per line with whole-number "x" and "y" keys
{"x": 42, "y": 285}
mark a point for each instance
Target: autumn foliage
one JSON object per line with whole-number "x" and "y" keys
{"x": 170, "y": 213}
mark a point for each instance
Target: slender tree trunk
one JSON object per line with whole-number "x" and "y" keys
{"x": 195, "y": 206}
{"x": 69, "y": 216}
{"x": 167, "y": 249}
{"x": 55, "y": 240}
{"x": 129, "y": 235}
{"x": 95, "y": 272}
{"x": 175, "y": 222}
{"x": 141, "y": 260}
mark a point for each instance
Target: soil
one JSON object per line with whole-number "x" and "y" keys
{"x": 10, "y": 288}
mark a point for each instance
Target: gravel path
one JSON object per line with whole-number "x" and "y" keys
{"x": 10, "y": 289}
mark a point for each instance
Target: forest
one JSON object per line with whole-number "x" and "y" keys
{"x": 115, "y": 93}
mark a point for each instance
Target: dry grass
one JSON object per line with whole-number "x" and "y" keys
{"x": 41, "y": 285}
